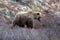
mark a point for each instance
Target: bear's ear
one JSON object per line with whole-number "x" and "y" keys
{"x": 38, "y": 14}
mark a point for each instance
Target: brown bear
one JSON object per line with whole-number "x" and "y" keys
{"x": 21, "y": 20}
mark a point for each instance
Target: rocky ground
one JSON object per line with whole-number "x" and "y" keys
{"x": 49, "y": 31}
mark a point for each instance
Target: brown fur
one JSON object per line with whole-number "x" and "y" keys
{"x": 22, "y": 20}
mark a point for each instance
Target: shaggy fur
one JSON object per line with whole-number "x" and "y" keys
{"x": 22, "y": 20}
{"x": 26, "y": 19}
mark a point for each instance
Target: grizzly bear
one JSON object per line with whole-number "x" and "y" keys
{"x": 21, "y": 20}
